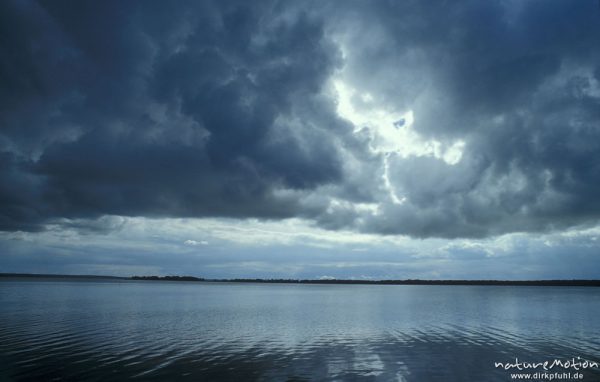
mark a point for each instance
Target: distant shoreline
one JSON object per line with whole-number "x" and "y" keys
{"x": 579, "y": 283}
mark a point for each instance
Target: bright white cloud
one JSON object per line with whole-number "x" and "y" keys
{"x": 390, "y": 130}
{"x": 195, "y": 243}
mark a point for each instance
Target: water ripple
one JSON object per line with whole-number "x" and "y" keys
{"x": 269, "y": 332}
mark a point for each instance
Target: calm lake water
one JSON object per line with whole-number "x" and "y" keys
{"x": 201, "y": 331}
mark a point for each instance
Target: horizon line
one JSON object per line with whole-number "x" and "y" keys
{"x": 538, "y": 282}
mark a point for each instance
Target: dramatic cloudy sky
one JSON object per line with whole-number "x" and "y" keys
{"x": 355, "y": 139}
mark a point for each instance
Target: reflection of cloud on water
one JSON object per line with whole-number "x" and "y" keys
{"x": 368, "y": 363}
{"x": 402, "y": 373}
{"x": 429, "y": 355}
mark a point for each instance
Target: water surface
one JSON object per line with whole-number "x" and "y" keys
{"x": 154, "y": 330}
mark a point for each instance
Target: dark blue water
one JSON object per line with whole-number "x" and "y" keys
{"x": 152, "y": 330}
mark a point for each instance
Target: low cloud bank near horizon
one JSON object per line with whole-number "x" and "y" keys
{"x": 253, "y": 249}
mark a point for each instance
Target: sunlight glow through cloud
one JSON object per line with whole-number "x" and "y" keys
{"x": 391, "y": 131}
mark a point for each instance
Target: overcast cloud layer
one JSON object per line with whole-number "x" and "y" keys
{"x": 466, "y": 119}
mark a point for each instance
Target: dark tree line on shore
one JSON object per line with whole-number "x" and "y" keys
{"x": 587, "y": 283}
{"x": 426, "y": 282}
{"x": 167, "y": 278}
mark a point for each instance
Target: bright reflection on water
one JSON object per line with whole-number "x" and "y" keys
{"x": 90, "y": 330}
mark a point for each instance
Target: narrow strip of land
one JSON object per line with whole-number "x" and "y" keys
{"x": 58, "y": 276}
{"x": 428, "y": 282}
{"x": 561, "y": 282}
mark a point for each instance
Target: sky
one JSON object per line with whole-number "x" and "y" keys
{"x": 301, "y": 139}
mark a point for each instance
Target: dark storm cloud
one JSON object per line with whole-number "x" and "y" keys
{"x": 193, "y": 109}
{"x": 224, "y": 109}
{"x": 516, "y": 81}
